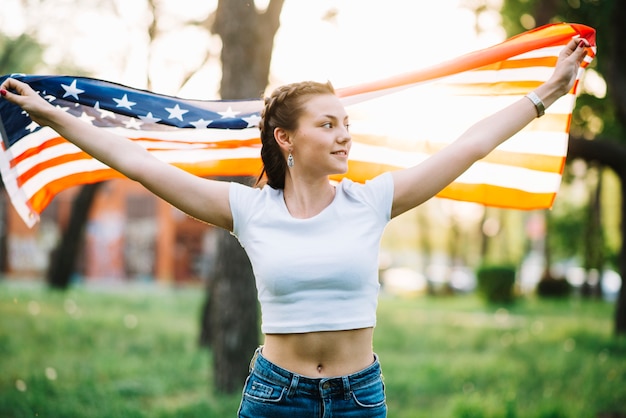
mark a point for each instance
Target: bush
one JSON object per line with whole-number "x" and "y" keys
{"x": 553, "y": 287}
{"x": 496, "y": 283}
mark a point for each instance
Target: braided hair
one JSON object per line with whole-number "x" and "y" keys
{"x": 283, "y": 109}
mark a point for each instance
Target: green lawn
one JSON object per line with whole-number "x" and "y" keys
{"x": 132, "y": 353}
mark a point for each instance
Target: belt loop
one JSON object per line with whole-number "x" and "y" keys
{"x": 254, "y": 357}
{"x": 293, "y": 385}
{"x": 346, "y": 387}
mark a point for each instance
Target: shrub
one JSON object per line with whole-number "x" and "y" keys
{"x": 496, "y": 283}
{"x": 553, "y": 287}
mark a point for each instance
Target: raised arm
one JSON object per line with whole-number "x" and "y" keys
{"x": 417, "y": 184}
{"x": 203, "y": 199}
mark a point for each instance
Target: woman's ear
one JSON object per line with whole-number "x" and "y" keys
{"x": 283, "y": 139}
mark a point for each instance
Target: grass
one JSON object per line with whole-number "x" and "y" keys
{"x": 132, "y": 352}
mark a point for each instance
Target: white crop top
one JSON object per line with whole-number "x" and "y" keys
{"x": 320, "y": 273}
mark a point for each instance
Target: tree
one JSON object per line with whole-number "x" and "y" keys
{"x": 607, "y": 148}
{"x": 231, "y": 308}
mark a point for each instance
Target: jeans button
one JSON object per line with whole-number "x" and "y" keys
{"x": 326, "y": 385}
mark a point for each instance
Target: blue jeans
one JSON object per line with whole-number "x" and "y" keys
{"x": 271, "y": 391}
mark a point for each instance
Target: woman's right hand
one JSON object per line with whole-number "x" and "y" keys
{"x": 21, "y": 94}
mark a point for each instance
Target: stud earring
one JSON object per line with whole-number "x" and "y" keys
{"x": 290, "y": 162}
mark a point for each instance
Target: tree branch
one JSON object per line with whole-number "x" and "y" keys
{"x": 607, "y": 152}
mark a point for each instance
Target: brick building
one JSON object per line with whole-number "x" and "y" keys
{"x": 130, "y": 235}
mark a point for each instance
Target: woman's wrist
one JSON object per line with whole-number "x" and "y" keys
{"x": 540, "y": 107}
{"x": 546, "y": 94}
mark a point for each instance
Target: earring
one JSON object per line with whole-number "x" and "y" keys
{"x": 290, "y": 161}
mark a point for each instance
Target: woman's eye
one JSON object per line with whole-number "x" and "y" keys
{"x": 327, "y": 125}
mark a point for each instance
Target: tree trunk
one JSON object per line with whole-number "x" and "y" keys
{"x": 233, "y": 315}
{"x": 63, "y": 257}
{"x": 545, "y": 10}
{"x": 609, "y": 153}
{"x": 247, "y": 43}
{"x": 616, "y": 75}
{"x": 231, "y": 310}
{"x": 594, "y": 259}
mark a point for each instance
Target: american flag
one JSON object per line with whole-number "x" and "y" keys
{"x": 395, "y": 123}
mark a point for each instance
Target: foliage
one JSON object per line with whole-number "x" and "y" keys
{"x": 131, "y": 352}
{"x": 496, "y": 283}
{"x": 19, "y": 55}
{"x": 565, "y": 222}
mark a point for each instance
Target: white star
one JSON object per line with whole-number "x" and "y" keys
{"x": 176, "y": 112}
{"x": 32, "y": 126}
{"x": 201, "y": 123}
{"x": 149, "y": 118}
{"x": 124, "y": 102}
{"x": 50, "y": 97}
{"x": 63, "y": 108}
{"x": 86, "y": 118}
{"x": 103, "y": 112}
{"x": 72, "y": 90}
{"x": 132, "y": 123}
{"x": 253, "y": 121}
{"x": 230, "y": 113}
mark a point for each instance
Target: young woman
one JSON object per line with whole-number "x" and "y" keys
{"x": 313, "y": 245}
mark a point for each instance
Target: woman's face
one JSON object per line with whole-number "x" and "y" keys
{"x": 322, "y": 141}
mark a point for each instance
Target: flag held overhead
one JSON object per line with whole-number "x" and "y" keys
{"x": 395, "y": 123}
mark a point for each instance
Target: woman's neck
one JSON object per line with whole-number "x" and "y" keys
{"x": 307, "y": 199}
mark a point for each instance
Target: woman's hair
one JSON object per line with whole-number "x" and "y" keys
{"x": 282, "y": 110}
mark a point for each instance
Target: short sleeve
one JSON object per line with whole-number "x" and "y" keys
{"x": 241, "y": 199}
{"x": 377, "y": 193}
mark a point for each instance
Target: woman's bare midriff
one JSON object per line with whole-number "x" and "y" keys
{"x": 321, "y": 354}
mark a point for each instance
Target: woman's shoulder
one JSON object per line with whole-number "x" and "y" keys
{"x": 246, "y": 200}
{"x": 243, "y": 191}
{"x": 376, "y": 192}
{"x": 380, "y": 182}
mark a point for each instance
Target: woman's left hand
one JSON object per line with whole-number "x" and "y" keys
{"x": 568, "y": 64}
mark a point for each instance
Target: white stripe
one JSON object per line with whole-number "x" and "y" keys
{"x": 548, "y": 51}
{"x": 67, "y": 148}
{"x": 38, "y": 138}
{"x": 480, "y": 173}
{"x": 33, "y": 140}
{"x": 539, "y": 74}
{"x": 191, "y": 135}
{"x": 512, "y": 177}
{"x": 526, "y": 142}
{"x": 49, "y": 175}
{"x": 46, "y": 155}
{"x": 200, "y": 156}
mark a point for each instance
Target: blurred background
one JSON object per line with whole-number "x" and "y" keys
{"x": 112, "y": 243}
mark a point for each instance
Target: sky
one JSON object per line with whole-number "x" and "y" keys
{"x": 344, "y": 41}
{"x": 370, "y": 39}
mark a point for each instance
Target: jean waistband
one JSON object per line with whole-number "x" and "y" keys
{"x": 314, "y": 386}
